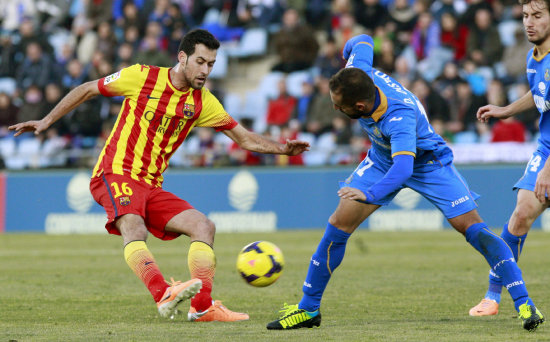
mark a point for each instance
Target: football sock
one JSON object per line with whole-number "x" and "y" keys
{"x": 324, "y": 261}
{"x": 516, "y": 245}
{"x": 501, "y": 259}
{"x": 142, "y": 262}
{"x": 202, "y": 265}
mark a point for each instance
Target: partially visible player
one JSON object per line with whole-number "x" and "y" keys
{"x": 161, "y": 106}
{"x": 534, "y": 186}
{"x": 405, "y": 152}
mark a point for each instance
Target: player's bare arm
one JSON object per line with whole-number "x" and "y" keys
{"x": 520, "y": 105}
{"x": 73, "y": 99}
{"x": 254, "y": 142}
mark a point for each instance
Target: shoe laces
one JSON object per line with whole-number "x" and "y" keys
{"x": 218, "y": 304}
{"x": 486, "y": 302}
{"x": 525, "y": 310}
{"x": 288, "y": 310}
{"x": 173, "y": 282}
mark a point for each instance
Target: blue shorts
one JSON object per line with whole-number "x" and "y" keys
{"x": 443, "y": 186}
{"x": 535, "y": 164}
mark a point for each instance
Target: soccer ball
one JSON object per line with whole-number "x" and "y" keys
{"x": 260, "y": 263}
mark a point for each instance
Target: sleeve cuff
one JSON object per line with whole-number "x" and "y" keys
{"x": 227, "y": 126}
{"x": 102, "y": 89}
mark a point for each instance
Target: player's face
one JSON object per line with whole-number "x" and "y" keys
{"x": 350, "y": 111}
{"x": 198, "y": 66}
{"x": 536, "y": 21}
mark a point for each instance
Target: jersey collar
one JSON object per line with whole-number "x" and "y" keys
{"x": 540, "y": 56}
{"x": 380, "y": 105}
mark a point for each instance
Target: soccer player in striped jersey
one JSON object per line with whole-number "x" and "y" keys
{"x": 405, "y": 152}
{"x": 161, "y": 106}
{"x": 534, "y": 186}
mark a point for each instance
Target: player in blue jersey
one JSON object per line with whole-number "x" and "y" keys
{"x": 405, "y": 152}
{"x": 534, "y": 186}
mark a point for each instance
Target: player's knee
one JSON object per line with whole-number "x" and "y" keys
{"x": 131, "y": 227}
{"x": 341, "y": 224}
{"x": 521, "y": 222}
{"x": 133, "y": 233}
{"x": 205, "y": 230}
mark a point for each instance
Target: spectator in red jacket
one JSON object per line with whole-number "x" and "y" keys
{"x": 508, "y": 129}
{"x": 280, "y": 109}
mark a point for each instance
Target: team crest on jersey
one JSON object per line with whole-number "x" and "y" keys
{"x": 124, "y": 201}
{"x": 547, "y": 75}
{"x": 111, "y": 78}
{"x": 376, "y": 132}
{"x": 188, "y": 110}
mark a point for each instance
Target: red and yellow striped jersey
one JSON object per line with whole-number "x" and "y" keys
{"x": 153, "y": 122}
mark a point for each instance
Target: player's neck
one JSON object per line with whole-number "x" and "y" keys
{"x": 177, "y": 78}
{"x": 542, "y": 48}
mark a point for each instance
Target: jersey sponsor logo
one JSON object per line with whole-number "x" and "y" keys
{"x": 459, "y": 201}
{"x": 111, "y": 78}
{"x": 542, "y": 88}
{"x": 541, "y": 103}
{"x": 531, "y": 71}
{"x": 163, "y": 124}
{"x": 396, "y": 119}
{"x": 188, "y": 110}
{"x": 152, "y": 98}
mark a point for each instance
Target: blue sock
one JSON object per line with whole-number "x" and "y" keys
{"x": 515, "y": 242}
{"x": 516, "y": 245}
{"x": 501, "y": 259}
{"x": 324, "y": 261}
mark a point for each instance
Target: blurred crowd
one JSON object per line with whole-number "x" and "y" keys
{"x": 454, "y": 55}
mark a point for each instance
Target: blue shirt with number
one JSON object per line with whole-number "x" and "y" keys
{"x": 399, "y": 123}
{"x": 538, "y": 75}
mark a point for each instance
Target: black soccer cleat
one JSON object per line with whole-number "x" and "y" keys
{"x": 294, "y": 318}
{"x": 531, "y": 317}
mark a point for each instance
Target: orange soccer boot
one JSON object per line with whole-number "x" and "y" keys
{"x": 216, "y": 313}
{"x": 487, "y": 307}
{"x": 176, "y": 293}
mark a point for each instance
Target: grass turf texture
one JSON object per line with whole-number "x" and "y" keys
{"x": 391, "y": 286}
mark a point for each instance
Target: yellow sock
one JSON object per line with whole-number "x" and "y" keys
{"x": 142, "y": 262}
{"x": 202, "y": 265}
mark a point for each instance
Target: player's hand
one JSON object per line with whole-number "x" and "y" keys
{"x": 36, "y": 126}
{"x": 353, "y": 41}
{"x": 295, "y": 147}
{"x": 491, "y": 111}
{"x": 542, "y": 185}
{"x": 352, "y": 194}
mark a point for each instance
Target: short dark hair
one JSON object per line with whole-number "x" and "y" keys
{"x": 526, "y": 2}
{"x": 353, "y": 85}
{"x": 198, "y": 36}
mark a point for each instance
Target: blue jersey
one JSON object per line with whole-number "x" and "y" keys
{"x": 538, "y": 75}
{"x": 399, "y": 123}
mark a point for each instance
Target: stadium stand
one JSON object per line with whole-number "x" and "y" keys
{"x": 68, "y": 43}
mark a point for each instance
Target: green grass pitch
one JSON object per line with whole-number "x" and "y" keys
{"x": 391, "y": 286}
